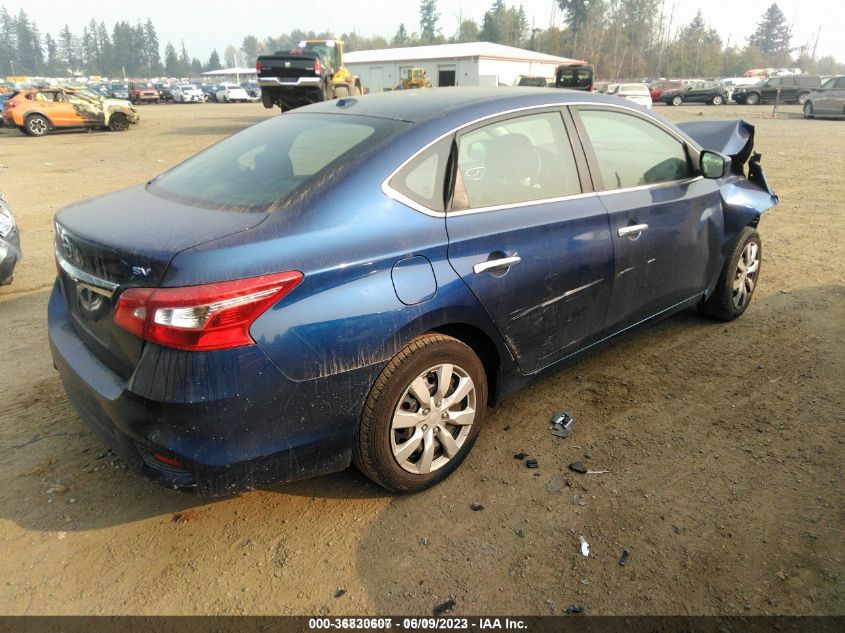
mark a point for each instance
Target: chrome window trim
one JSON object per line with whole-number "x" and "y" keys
{"x": 392, "y": 193}
{"x": 95, "y": 284}
{"x": 658, "y": 185}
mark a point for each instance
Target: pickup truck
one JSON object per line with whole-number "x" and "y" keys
{"x": 308, "y": 74}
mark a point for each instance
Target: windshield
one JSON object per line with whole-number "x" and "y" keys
{"x": 257, "y": 169}
{"x": 326, "y": 53}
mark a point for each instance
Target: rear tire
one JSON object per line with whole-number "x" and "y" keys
{"x": 802, "y": 98}
{"x": 738, "y": 279}
{"x": 717, "y": 100}
{"x": 676, "y": 101}
{"x": 405, "y": 441}
{"x": 36, "y": 125}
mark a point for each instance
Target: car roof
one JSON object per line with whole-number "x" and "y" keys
{"x": 461, "y": 104}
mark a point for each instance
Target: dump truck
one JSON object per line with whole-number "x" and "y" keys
{"x": 311, "y": 73}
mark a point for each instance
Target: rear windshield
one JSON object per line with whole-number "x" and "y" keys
{"x": 575, "y": 78}
{"x": 258, "y": 168}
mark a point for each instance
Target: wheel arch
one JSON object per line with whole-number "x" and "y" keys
{"x": 484, "y": 347}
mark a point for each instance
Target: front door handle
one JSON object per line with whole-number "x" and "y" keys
{"x": 496, "y": 264}
{"x": 633, "y": 230}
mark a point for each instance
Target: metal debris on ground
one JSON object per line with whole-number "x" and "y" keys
{"x": 557, "y": 482}
{"x": 585, "y": 546}
{"x": 340, "y": 593}
{"x": 476, "y": 507}
{"x": 443, "y": 607}
{"x": 532, "y": 463}
{"x": 578, "y": 467}
{"x": 597, "y": 472}
{"x": 574, "y": 608}
{"x": 520, "y": 456}
{"x": 562, "y": 423}
{"x": 626, "y": 554}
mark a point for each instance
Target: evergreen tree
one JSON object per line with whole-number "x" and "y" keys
{"x": 68, "y": 49}
{"x": 8, "y": 51}
{"x": 213, "y": 60}
{"x": 491, "y": 23}
{"x": 54, "y": 65}
{"x": 773, "y": 35}
{"x": 428, "y": 20}
{"x": 171, "y": 61}
{"x": 151, "y": 45}
{"x": 401, "y": 38}
{"x": 184, "y": 61}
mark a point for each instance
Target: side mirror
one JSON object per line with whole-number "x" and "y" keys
{"x": 714, "y": 164}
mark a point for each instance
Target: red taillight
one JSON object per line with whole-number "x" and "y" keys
{"x": 258, "y": 66}
{"x": 318, "y": 67}
{"x": 12, "y": 104}
{"x": 202, "y": 318}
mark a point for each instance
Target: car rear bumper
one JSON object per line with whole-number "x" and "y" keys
{"x": 231, "y": 418}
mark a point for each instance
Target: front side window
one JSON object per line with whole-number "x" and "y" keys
{"x": 632, "y": 152}
{"x": 515, "y": 160}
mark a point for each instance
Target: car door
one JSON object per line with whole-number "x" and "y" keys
{"x": 698, "y": 93}
{"x": 529, "y": 237}
{"x": 666, "y": 221}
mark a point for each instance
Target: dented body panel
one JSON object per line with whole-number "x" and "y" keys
{"x": 377, "y": 272}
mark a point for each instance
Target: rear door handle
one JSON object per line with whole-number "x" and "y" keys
{"x": 496, "y": 264}
{"x": 634, "y": 229}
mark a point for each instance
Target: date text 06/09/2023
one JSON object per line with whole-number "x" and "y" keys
{"x": 415, "y": 624}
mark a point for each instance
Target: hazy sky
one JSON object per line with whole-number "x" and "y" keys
{"x": 208, "y": 24}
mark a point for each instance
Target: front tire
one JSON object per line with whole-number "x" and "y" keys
{"x": 422, "y": 415}
{"x": 738, "y": 279}
{"x": 808, "y": 110}
{"x": 118, "y": 123}
{"x": 752, "y": 99}
{"x": 36, "y": 125}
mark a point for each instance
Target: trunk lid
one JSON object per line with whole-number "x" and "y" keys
{"x": 124, "y": 240}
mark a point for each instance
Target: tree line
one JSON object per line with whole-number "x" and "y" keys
{"x": 621, "y": 38}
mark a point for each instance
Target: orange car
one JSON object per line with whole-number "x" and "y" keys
{"x": 36, "y": 111}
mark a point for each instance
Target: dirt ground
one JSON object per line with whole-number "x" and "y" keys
{"x": 724, "y": 444}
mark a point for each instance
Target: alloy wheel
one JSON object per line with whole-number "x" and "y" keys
{"x": 433, "y": 419}
{"x": 745, "y": 277}
{"x": 37, "y": 126}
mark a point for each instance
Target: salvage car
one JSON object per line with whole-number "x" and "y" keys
{"x": 143, "y": 92}
{"x": 636, "y": 93}
{"x": 185, "y": 93}
{"x": 711, "y": 92}
{"x": 359, "y": 280}
{"x": 827, "y": 101}
{"x": 37, "y": 111}
{"x": 10, "y": 243}
{"x": 230, "y": 93}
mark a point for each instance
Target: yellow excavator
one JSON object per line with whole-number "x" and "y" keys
{"x": 414, "y": 78}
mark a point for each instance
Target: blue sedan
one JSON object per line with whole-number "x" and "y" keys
{"x": 361, "y": 279}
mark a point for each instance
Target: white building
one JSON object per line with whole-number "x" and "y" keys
{"x": 467, "y": 64}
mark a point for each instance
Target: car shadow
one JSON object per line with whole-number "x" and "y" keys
{"x": 58, "y": 476}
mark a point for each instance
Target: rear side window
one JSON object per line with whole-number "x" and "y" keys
{"x": 632, "y": 152}
{"x": 515, "y": 160}
{"x": 422, "y": 179}
{"x": 258, "y": 168}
